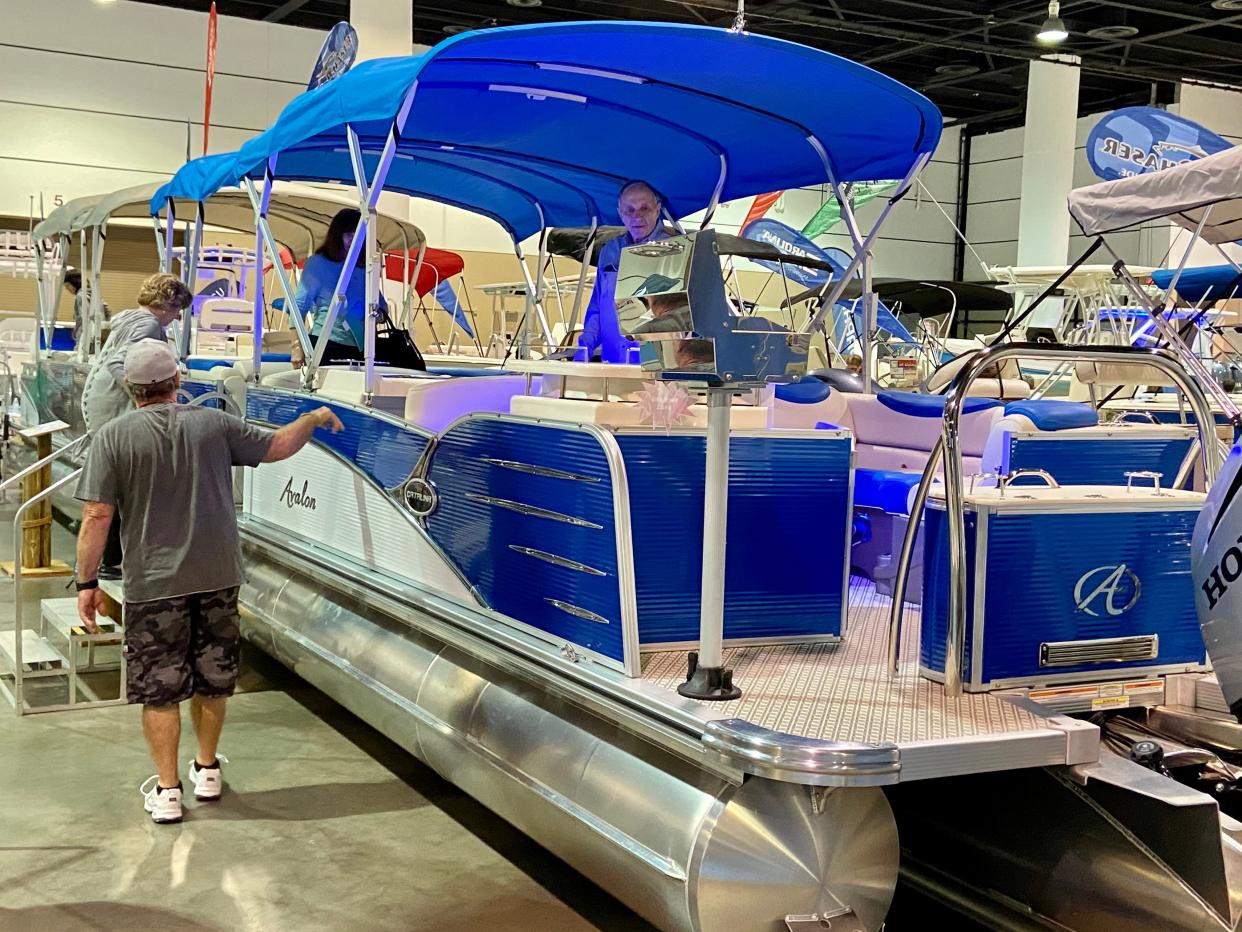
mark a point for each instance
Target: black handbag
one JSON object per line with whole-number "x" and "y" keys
{"x": 393, "y": 345}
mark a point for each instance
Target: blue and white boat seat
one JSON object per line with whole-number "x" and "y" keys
{"x": 205, "y": 363}
{"x": 435, "y": 403}
{"x": 806, "y": 404}
{"x": 888, "y": 490}
{"x": 897, "y": 430}
{"x": 622, "y": 414}
{"x": 892, "y": 430}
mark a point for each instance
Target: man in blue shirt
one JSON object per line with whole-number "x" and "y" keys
{"x": 640, "y": 207}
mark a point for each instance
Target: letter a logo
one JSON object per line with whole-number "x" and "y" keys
{"x": 1113, "y": 586}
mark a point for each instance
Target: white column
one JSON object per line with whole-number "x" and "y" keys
{"x": 1048, "y": 160}
{"x": 385, "y": 27}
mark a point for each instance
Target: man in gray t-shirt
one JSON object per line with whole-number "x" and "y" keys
{"x": 166, "y": 469}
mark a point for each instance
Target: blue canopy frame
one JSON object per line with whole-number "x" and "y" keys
{"x": 540, "y": 126}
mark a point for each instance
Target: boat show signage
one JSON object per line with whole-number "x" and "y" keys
{"x": 792, "y": 243}
{"x": 212, "y": 20}
{"x": 337, "y": 55}
{"x": 1138, "y": 140}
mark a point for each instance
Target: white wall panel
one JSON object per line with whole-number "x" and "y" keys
{"x": 1003, "y": 145}
{"x": 140, "y": 32}
{"x": 123, "y": 88}
{"x": 992, "y": 222}
{"x": 95, "y": 97}
{"x": 45, "y": 134}
{"x": 993, "y": 181}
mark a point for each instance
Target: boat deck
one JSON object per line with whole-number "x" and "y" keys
{"x": 843, "y": 692}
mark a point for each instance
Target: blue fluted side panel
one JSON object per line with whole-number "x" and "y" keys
{"x": 1034, "y": 564}
{"x": 788, "y": 509}
{"x": 1097, "y": 462}
{"x": 1175, "y": 417}
{"x": 935, "y": 623}
{"x": 383, "y": 449}
{"x": 480, "y": 537}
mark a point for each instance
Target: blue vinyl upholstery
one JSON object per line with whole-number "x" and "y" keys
{"x": 916, "y": 404}
{"x": 807, "y": 392}
{"x": 1048, "y": 414}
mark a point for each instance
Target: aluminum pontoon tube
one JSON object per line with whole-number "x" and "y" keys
{"x": 688, "y": 847}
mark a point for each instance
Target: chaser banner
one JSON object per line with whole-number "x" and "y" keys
{"x": 336, "y": 57}
{"x": 1137, "y": 140}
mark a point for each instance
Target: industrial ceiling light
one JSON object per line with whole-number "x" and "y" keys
{"x": 957, "y": 69}
{"x": 1229, "y": 6}
{"x": 1120, "y": 31}
{"x": 456, "y": 29}
{"x": 524, "y": 4}
{"x": 1053, "y": 30}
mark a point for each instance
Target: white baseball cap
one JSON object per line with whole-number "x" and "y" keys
{"x": 149, "y": 361}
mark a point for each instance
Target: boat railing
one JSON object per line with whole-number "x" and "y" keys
{"x": 948, "y": 448}
{"x": 46, "y": 461}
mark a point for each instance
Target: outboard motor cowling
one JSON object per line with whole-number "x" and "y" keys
{"x": 1216, "y": 563}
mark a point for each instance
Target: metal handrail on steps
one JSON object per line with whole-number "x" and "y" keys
{"x": 19, "y": 702}
{"x": 8, "y": 483}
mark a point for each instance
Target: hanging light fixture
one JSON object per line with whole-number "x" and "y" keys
{"x": 1053, "y": 30}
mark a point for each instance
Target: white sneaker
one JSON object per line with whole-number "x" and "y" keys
{"x": 208, "y": 781}
{"x": 164, "y": 804}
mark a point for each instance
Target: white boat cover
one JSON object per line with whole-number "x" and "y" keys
{"x": 1181, "y": 193}
{"x": 1082, "y": 278}
{"x": 298, "y": 215}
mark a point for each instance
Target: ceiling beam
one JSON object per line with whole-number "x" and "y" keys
{"x": 1162, "y": 8}
{"x": 289, "y": 6}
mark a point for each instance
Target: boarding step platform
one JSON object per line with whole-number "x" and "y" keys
{"x": 39, "y": 657}
{"x": 43, "y": 658}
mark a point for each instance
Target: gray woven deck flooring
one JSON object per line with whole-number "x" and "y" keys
{"x": 842, "y": 692}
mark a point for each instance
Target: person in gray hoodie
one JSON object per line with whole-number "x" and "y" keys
{"x": 161, "y": 300}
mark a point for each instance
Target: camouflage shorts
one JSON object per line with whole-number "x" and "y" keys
{"x": 182, "y": 647}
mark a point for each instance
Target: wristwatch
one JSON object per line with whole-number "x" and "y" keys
{"x": 90, "y": 584}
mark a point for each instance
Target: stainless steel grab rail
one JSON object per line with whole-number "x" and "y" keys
{"x": 949, "y": 447}
{"x": 1003, "y": 481}
{"x": 19, "y": 701}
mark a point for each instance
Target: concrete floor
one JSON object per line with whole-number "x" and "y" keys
{"x": 325, "y": 825}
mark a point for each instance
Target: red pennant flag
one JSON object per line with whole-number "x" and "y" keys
{"x": 211, "y": 73}
{"x": 761, "y": 205}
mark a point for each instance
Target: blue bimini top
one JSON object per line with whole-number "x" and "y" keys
{"x": 540, "y": 126}
{"x": 1212, "y": 282}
